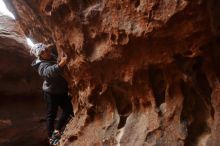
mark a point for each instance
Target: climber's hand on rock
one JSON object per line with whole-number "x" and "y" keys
{"x": 62, "y": 62}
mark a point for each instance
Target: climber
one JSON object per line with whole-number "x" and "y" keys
{"x": 55, "y": 89}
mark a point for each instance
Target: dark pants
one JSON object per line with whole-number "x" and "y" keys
{"x": 53, "y": 102}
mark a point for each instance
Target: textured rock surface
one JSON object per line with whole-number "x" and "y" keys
{"x": 141, "y": 72}
{"x": 22, "y": 120}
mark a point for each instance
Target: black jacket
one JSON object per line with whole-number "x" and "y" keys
{"x": 53, "y": 81}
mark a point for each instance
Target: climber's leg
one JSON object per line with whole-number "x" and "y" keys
{"x": 66, "y": 105}
{"x": 52, "y": 107}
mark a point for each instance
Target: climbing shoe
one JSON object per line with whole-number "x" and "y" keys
{"x": 55, "y": 138}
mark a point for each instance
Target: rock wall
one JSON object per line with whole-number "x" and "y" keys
{"x": 22, "y": 119}
{"x": 17, "y": 78}
{"x": 141, "y": 72}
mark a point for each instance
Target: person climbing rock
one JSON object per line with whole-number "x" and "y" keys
{"x": 55, "y": 89}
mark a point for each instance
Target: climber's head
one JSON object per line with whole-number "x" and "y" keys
{"x": 41, "y": 51}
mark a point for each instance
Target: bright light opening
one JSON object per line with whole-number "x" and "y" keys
{"x": 29, "y": 42}
{"x": 4, "y": 10}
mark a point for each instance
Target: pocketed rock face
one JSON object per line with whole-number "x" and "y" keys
{"x": 141, "y": 72}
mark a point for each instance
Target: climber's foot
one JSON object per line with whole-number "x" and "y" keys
{"x": 55, "y": 138}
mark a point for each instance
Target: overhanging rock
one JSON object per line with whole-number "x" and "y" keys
{"x": 141, "y": 72}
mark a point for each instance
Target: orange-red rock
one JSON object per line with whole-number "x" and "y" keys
{"x": 141, "y": 72}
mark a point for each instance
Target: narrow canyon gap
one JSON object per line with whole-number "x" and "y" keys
{"x": 140, "y": 72}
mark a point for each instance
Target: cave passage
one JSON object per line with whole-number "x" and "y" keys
{"x": 140, "y": 73}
